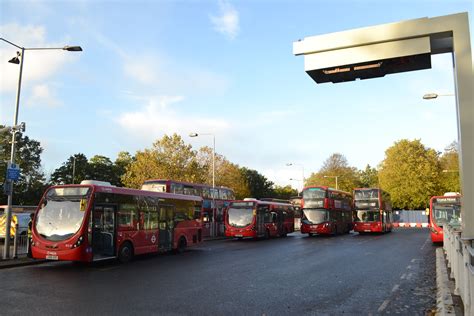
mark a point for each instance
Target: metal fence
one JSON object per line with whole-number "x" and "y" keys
{"x": 460, "y": 255}
{"x": 19, "y": 244}
{"x": 410, "y": 216}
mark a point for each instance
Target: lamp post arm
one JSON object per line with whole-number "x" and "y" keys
{"x": 11, "y": 43}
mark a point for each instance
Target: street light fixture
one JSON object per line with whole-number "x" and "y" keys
{"x": 289, "y": 164}
{"x": 16, "y": 60}
{"x": 337, "y": 188}
{"x": 430, "y": 96}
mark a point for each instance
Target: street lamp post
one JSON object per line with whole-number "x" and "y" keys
{"x": 19, "y": 59}
{"x": 213, "y": 221}
{"x": 213, "y": 153}
{"x": 289, "y": 164}
{"x": 337, "y": 187}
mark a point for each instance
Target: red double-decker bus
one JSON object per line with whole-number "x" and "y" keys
{"x": 443, "y": 210}
{"x": 326, "y": 211}
{"x": 257, "y": 219}
{"x": 215, "y": 201}
{"x": 372, "y": 211}
{"x": 95, "y": 221}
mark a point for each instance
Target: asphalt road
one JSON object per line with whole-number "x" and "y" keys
{"x": 349, "y": 274}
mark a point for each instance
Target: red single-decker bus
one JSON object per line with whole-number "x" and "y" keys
{"x": 326, "y": 211}
{"x": 95, "y": 221}
{"x": 443, "y": 210}
{"x": 257, "y": 219}
{"x": 372, "y": 211}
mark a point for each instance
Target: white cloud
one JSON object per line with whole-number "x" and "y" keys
{"x": 227, "y": 22}
{"x": 43, "y": 96}
{"x": 38, "y": 65}
{"x": 159, "y": 117}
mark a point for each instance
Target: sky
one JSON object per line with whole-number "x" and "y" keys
{"x": 226, "y": 68}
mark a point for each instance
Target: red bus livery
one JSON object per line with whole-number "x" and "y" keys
{"x": 372, "y": 211}
{"x": 325, "y": 211}
{"x": 215, "y": 200}
{"x": 443, "y": 209}
{"x": 94, "y": 221}
{"x": 256, "y": 219}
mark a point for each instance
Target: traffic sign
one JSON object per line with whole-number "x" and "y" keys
{"x": 13, "y": 172}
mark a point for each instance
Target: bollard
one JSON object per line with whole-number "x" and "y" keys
{"x": 15, "y": 242}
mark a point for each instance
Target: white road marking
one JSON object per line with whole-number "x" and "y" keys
{"x": 383, "y": 306}
{"x": 404, "y": 275}
{"x": 395, "y": 287}
{"x": 426, "y": 242}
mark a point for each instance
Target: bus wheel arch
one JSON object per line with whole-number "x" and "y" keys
{"x": 182, "y": 243}
{"x": 125, "y": 253}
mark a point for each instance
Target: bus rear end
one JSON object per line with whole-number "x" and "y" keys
{"x": 443, "y": 210}
{"x": 60, "y": 227}
{"x": 240, "y": 219}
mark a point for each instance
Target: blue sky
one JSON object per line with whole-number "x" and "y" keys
{"x": 222, "y": 67}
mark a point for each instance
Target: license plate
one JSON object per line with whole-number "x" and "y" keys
{"x": 239, "y": 236}
{"x": 51, "y": 257}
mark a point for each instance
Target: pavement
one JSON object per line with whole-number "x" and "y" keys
{"x": 18, "y": 262}
{"x": 447, "y": 303}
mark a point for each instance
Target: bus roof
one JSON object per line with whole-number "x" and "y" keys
{"x": 185, "y": 183}
{"x": 326, "y": 188}
{"x": 129, "y": 191}
{"x": 261, "y": 202}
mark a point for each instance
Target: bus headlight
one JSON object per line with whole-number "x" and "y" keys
{"x": 78, "y": 242}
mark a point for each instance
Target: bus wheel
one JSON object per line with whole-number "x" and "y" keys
{"x": 125, "y": 252}
{"x": 310, "y": 234}
{"x": 181, "y": 245}
{"x": 267, "y": 234}
{"x": 285, "y": 233}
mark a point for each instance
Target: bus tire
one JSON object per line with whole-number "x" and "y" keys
{"x": 267, "y": 234}
{"x": 285, "y": 233}
{"x": 181, "y": 245}
{"x": 310, "y": 234}
{"x": 125, "y": 253}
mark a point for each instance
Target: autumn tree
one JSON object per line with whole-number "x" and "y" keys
{"x": 449, "y": 161}
{"x": 226, "y": 173}
{"x": 29, "y": 188}
{"x": 169, "y": 158}
{"x": 410, "y": 172}
{"x": 336, "y": 165}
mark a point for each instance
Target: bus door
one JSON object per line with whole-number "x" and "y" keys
{"x": 166, "y": 227}
{"x": 260, "y": 221}
{"x": 103, "y": 231}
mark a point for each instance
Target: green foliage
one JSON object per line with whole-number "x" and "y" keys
{"x": 169, "y": 158}
{"x": 449, "y": 161}
{"x": 29, "y": 188}
{"x": 369, "y": 177}
{"x": 258, "y": 185}
{"x": 284, "y": 193}
{"x": 411, "y": 174}
{"x": 76, "y": 164}
{"x": 336, "y": 165}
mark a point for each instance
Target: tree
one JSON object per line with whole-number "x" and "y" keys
{"x": 258, "y": 185}
{"x": 103, "y": 169}
{"x": 410, "y": 173}
{"x": 123, "y": 161}
{"x": 449, "y": 161}
{"x": 169, "y": 158}
{"x": 369, "y": 177}
{"x": 29, "y": 188}
{"x": 284, "y": 193}
{"x": 336, "y": 165}
{"x": 76, "y": 164}
{"x": 226, "y": 173}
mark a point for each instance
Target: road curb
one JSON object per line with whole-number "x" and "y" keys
{"x": 7, "y": 264}
{"x": 444, "y": 300}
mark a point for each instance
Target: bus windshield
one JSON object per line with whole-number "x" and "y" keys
{"x": 240, "y": 217}
{"x": 316, "y": 216}
{"x": 154, "y": 186}
{"x": 367, "y": 216}
{"x": 446, "y": 214}
{"x": 314, "y": 193}
{"x": 60, "y": 218}
{"x": 370, "y": 194}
